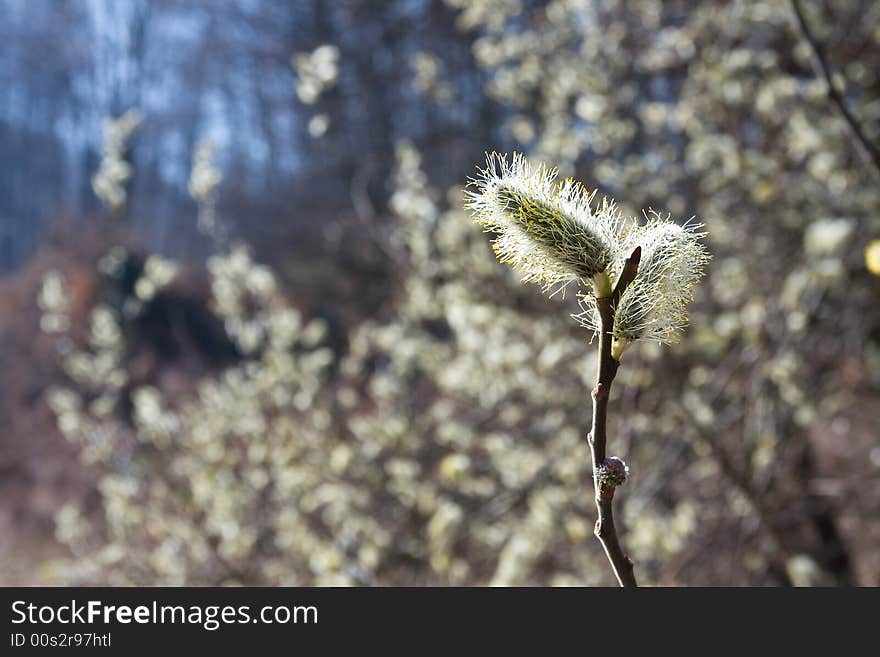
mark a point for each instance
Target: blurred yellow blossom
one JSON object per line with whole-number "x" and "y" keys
{"x": 872, "y": 257}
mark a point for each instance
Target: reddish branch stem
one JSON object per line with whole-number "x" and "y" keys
{"x": 605, "y": 530}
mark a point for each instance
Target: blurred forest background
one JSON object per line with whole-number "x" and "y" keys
{"x": 249, "y": 336}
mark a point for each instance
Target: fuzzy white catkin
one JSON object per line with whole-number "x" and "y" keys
{"x": 551, "y": 231}
{"x": 654, "y": 305}
{"x": 555, "y": 234}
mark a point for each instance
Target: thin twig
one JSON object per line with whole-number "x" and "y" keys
{"x": 605, "y": 530}
{"x": 823, "y": 68}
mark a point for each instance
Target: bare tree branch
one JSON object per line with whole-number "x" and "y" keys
{"x": 823, "y": 68}
{"x": 605, "y": 530}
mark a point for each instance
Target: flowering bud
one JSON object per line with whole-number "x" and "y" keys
{"x": 547, "y": 229}
{"x": 654, "y": 305}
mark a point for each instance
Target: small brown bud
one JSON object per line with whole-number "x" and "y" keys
{"x": 612, "y": 472}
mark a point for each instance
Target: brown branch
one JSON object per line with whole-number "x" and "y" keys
{"x": 823, "y": 68}
{"x": 627, "y": 275}
{"x": 605, "y": 530}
